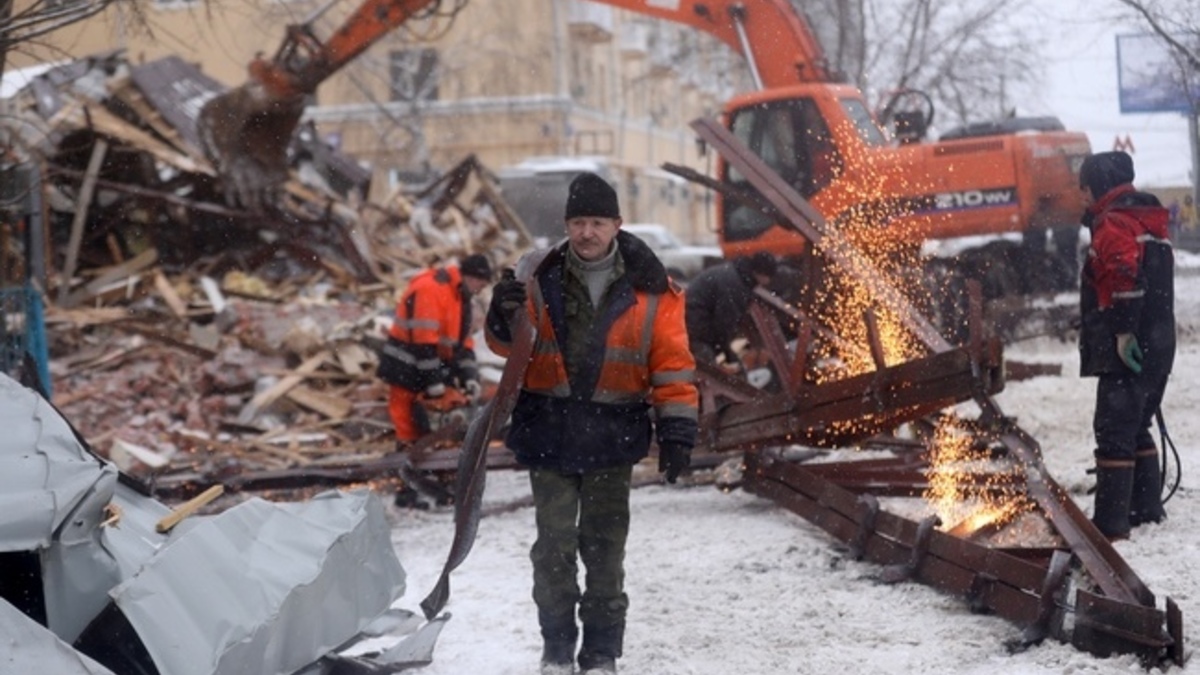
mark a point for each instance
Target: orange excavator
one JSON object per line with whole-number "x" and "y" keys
{"x": 1019, "y": 176}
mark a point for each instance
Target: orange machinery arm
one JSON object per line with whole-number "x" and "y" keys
{"x": 304, "y": 61}
{"x": 775, "y": 40}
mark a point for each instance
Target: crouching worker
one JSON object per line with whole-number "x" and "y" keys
{"x": 430, "y": 349}
{"x": 610, "y": 366}
{"x": 1127, "y": 338}
{"x": 718, "y": 300}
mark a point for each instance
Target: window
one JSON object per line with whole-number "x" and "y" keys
{"x": 158, "y": 4}
{"x": 791, "y": 138}
{"x": 413, "y": 74}
{"x": 863, "y": 122}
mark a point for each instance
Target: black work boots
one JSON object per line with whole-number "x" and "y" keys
{"x": 558, "y": 657}
{"x": 1146, "y": 506}
{"x": 1114, "y": 493}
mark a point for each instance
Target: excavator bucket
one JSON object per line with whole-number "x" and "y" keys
{"x": 245, "y": 133}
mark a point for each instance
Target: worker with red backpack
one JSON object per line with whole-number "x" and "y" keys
{"x": 1127, "y": 338}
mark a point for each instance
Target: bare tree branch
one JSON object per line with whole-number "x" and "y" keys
{"x": 1157, "y": 24}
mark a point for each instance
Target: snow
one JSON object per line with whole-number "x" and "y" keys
{"x": 13, "y": 81}
{"x": 728, "y": 582}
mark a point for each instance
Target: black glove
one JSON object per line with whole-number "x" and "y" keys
{"x": 673, "y": 458}
{"x": 464, "y": 368}
{"x": 508, "y": 297}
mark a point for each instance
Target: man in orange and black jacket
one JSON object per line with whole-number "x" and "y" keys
{"x": 1127, "y": 338}
{"x": 429, "y": 345}
{"x": 610, "y": 366}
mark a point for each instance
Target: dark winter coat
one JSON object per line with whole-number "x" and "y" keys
{"x": 1127, "y": 283}
{"x": 597, "y": 372}
{"x": 716, "y": 300}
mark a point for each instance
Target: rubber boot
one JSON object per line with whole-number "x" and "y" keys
{"x": 1146, "y": 506}
{"x": 558, "y": 658}
{"x": 559, "y": 635}
{"x": 601, "y": 647}
{"x": 1114, "y": 493}
{"x": 406, "y": 496}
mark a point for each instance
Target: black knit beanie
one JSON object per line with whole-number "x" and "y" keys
{"x": 1104, "y": 171}
{"x": 763, "y": 263}
{"x": 476, "y": 265}
{"x": 591, "y": 195}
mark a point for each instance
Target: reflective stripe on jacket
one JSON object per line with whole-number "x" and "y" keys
{"x": 431, "y": 327}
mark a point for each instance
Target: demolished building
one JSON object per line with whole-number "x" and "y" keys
{"x": 245, "y": 338}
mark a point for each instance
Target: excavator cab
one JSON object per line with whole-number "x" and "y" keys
{"x": 792, "y": 132}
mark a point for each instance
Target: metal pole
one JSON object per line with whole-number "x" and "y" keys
{"x": 1194, "y": 141}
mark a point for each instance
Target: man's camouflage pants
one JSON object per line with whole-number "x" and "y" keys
{"x": 581, "y": 517}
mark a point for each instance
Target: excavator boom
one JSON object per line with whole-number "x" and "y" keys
{"x": 245, "y": 131}
{"x": 775, "y": 41}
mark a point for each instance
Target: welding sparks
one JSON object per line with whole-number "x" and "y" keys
{"x": 965, "y": 486}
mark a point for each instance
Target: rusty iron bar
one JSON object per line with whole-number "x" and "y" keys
{"x": 773, "y": 341}
{"x": 1095, "y": 552}
{"x": 949, "y": 564}
{"x": 850, "y": 410}
{"x": 992, "y": 579}
{"x": 798, "y": 317}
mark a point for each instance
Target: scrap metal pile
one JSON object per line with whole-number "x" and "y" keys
{"x": 196, "y": 344}
{"x": 1013, "y": 541}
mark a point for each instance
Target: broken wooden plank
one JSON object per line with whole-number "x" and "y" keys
{"x": 86, "y": 189}
{"x": 283, "y": 386}
{"x": 292, "y": 457}
{"x": 333, "y": 407}
{"x": 188, "y": 508}
{"x": 176, "y": 304}
{"x": 168, "y": 338}
{"x": 351, "y": 358}
{"x": 115, "y": 276}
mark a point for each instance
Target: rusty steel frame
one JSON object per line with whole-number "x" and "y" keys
{"x": 1119, "y": 615}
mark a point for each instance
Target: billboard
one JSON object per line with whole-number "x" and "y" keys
{"x": 1152, "y": 78}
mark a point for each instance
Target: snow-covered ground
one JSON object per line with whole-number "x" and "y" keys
{"x": 730, "y": 583}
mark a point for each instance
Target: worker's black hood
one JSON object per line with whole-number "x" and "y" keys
{"x": 1104, "y": 171}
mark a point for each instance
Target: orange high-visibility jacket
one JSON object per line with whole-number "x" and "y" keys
{"x": 432, "y": 328}
{"x": 642, "y": 361}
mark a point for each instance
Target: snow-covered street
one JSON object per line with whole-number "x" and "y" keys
{"x": 728, "y": 582}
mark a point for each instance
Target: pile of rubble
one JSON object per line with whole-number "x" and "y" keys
{"x": 192, "y": 339}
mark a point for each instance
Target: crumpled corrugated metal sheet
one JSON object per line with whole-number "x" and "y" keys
{"x": 45, "y": 474}
{"x": 26, "y": 646}
{"x": 265, "y": 587}
{"x": 259, "y": 588}
{"x": 52, "y": 498}
{"x": 177, "y": 90}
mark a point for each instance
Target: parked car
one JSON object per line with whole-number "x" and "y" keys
{"x": 681, "y": 260}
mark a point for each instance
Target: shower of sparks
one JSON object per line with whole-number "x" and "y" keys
{"x": 965, "y": 485}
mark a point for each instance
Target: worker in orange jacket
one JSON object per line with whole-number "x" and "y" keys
{"x": 610, "y": 369}
{"x": 429, "y": 345}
